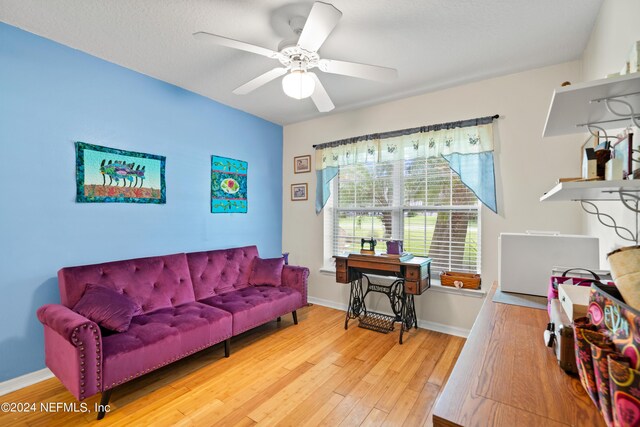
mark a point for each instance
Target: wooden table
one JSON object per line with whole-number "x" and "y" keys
{"x": 412, "y": 276}
{"x": 505, "y": 376}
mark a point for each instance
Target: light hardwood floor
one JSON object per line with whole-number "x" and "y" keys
{"x": 315, "y": 373}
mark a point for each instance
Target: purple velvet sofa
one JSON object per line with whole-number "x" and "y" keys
{"x": 187, "y": 302}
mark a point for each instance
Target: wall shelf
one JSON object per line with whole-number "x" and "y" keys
{"x": 586, "y": 107}
{"x": 587, "y": 192}
{"x": 575, "y": 106}
{"x": 592, "y": 190}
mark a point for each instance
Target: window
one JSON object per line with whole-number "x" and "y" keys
{"x": 419, "y": 201}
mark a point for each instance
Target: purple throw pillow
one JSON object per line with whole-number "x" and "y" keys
{"x": 107, "y": 308}
{"x": 266, "y": 271}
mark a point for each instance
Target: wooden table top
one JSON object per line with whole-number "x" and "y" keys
{"x": 505, "y": 376}
{"x": 384, "y": 259}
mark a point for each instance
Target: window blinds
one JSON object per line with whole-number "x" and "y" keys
{"x": 420, "y": 201}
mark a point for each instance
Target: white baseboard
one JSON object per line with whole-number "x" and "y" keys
{"x": 445, "y": 329}
{"x": 327, "y": 303}
{"x": 25, "y": 380}
{"x": 424, "y": 324}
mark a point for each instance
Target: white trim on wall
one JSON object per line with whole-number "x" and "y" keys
{"x": 424, "y": 324}
{"x": 25, "y": 380}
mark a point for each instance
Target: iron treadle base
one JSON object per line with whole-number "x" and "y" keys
{"x": 377, "y": 322}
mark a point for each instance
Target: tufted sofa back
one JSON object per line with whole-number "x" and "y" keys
{"x": 153, "y": 283}
{"x": 217, "y": 272}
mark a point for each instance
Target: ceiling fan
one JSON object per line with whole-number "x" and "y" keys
{"x": 299, "y": 54}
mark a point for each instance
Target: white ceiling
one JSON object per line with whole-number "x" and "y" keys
{"x": 433, "y": 43}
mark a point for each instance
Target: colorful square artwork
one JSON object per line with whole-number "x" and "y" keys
{"x": 228, "y": 185}
{"x": 110, "y": 175}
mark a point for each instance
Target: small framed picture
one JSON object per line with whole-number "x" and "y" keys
{"x": 622, "y": 149}
{"x": 299, "y": 192}
{"x": 302, "y": 164}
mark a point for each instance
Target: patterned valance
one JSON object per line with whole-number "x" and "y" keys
{"x": 467, "y": 146}
{"x": 476, "y": 139}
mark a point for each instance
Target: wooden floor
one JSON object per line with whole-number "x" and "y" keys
{"x": 315, "y": 373}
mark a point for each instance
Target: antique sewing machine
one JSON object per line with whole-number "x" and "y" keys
{"x": 411, "y": 276}
{"x": 372, "y": 246}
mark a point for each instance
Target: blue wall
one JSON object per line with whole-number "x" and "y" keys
{"x": 52, "y": 95}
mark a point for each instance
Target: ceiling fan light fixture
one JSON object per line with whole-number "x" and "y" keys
{"x": 298, "y": 84}
{"x": 299, "y": 53}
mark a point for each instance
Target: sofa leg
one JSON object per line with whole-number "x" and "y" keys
{"x": 279, "y": 319}
{"x": 295, "y": 317}
{"x": 227, "y": 347}
{"x": 104, "y": 402}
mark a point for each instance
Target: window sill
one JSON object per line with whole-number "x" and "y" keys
{"x": 474, "y": 293}
{"x": 435, "y": 286}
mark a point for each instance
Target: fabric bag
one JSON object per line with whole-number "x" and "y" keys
{"x": 584, "y": 338}
{"x": 624, "y": 383}
{"x": 600, "y": 356}
{"x": 621, "y": 323}
{"x": 610, "y": 315}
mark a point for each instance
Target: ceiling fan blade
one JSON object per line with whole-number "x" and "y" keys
{"x": 353, "y": 69}
{"x": 260, "y": 80}
{"x": 321, "y": 21}
{"x": 320, "y": 96}
{"x": 235, "y": 44}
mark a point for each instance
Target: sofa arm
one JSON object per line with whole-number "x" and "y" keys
{"x": 296, "y": 278}
{"x": 73, "y": 349}
{"x": 63, "y": 320}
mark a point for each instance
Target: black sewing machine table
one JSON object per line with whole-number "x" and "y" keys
{"x": 412, "y": 276}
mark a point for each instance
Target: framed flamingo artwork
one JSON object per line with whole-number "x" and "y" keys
{"x": 111, "y": 175}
